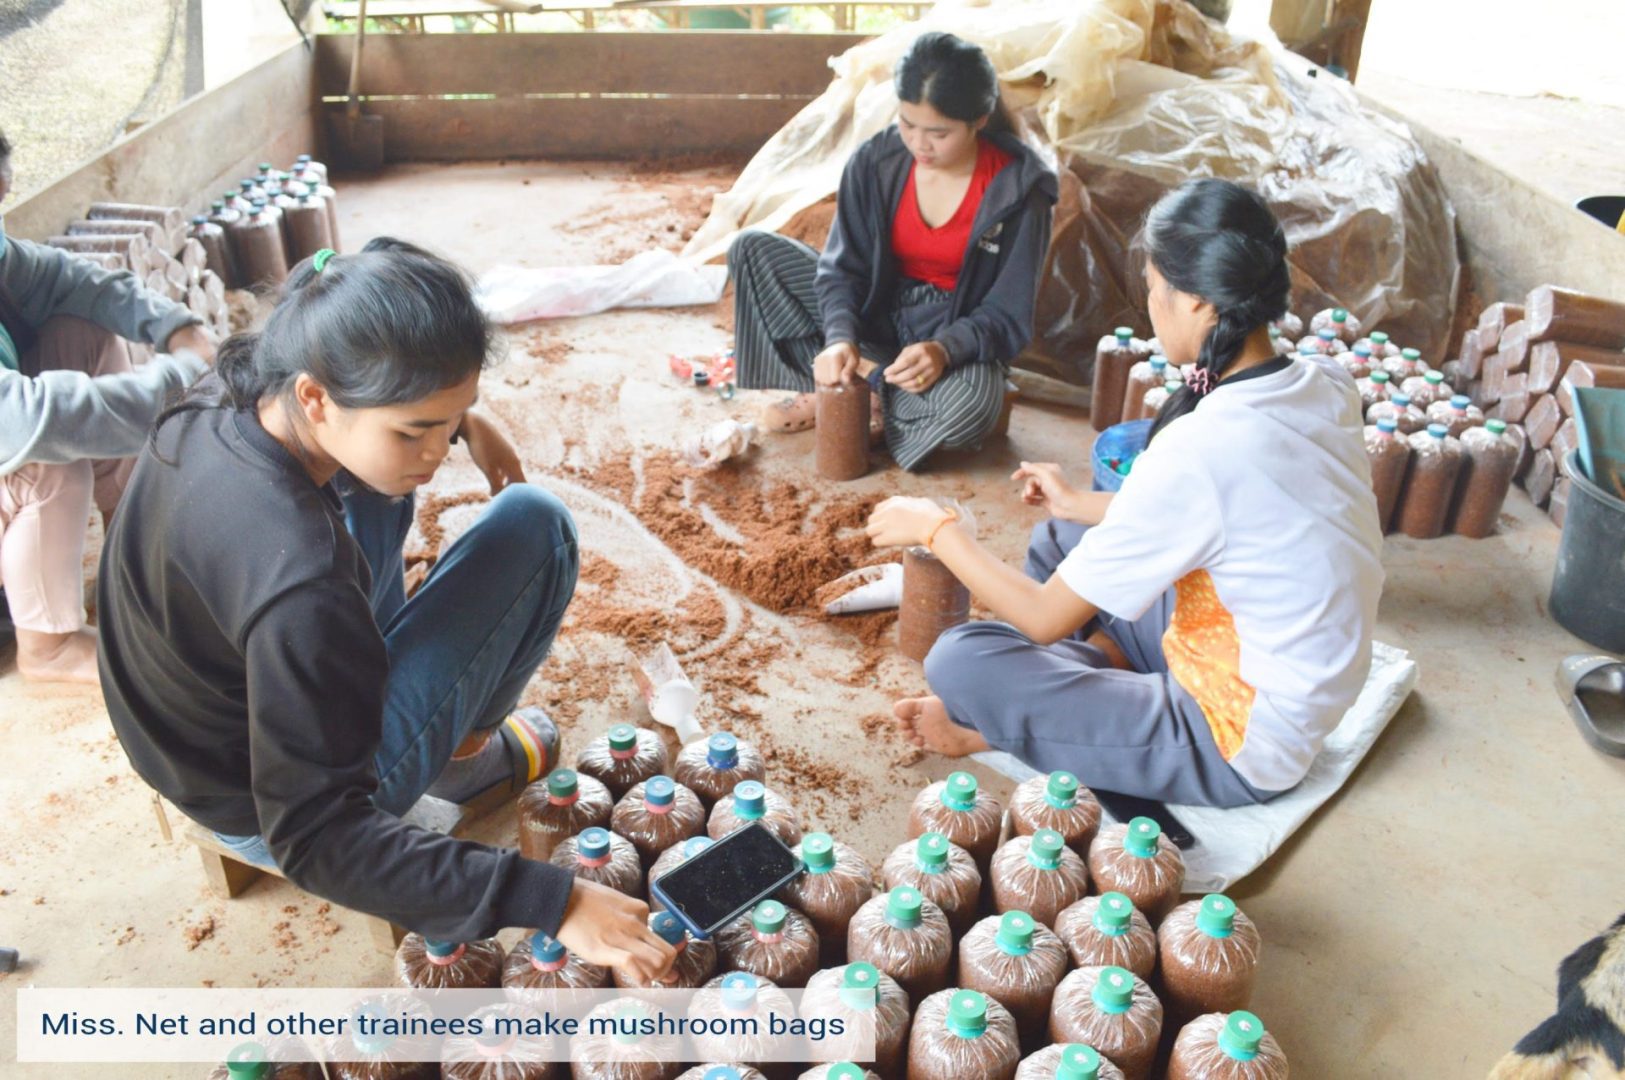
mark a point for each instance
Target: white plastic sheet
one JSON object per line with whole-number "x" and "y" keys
{"x": 512, "y": 294}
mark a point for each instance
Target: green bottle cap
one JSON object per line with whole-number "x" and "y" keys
{"x": 818, "y": 852}
{"x": 1114, "y": 990}
{"x": 1044, "y": 850}
{"x": 1339, "y": 315}
{"x": 1114, "y": 914}
{"x": 623, "y": 737}
{"x": 1242, "y": 1035}
{"x": 625, "y": 1027}
{"x": 1275, "y": 333}
{"x": 860, "y": 985}
{"x": 1015, "y": 933}
{"x": 959, "y": 793}
{"x": 563, "y": 783}
{"x": 1433, "y": 378}
{"x": 1125, "y": 334}
{"x": 1379, "y": 338}
{"x": 844, "y": 1070}
{"x": 903, "y": 907}
{"x": 750, "y": 800}
{"x": 1217, "y": 916}
{"x": 1379, "y": 376}
{"x": 1078, "y": 1062}
{"x": 1141, "y": 838}
{"x": 1158, "y": 363}
{"x": 247, "y": 1062}
{"x": 442, "y": 949}
{"x": 931, "y": 853}
{"x": 967, "y": 1014}
{"x": 1411, "y": 354}
{"x": 1062, "y": 790}
{"x": 1495, "y": 427}
{"x": 769, "y": 917}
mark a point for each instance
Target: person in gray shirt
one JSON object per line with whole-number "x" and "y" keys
{"x": 73, "y": 412}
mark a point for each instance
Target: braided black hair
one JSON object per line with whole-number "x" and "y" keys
{"x": 1221, "y": 242}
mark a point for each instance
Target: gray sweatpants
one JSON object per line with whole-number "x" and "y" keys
{"x": 1064, "y": 706}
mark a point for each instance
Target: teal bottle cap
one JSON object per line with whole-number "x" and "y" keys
{"x": 1412, "y": 355}
{"x": 627, "y": 1017}
{"x": 769, "y": 917}
{"x": 1401, "y": 399}
{"x": 739, "y": 990}
{"x": 903, "y": 907}
{"x": 1433, "y": 378}
{"x": 436, "y": 947}
{"x": 1327, "y": 334}
{"x": 1275, "y": 332}
{"x": 1242, "y": 1035}
{"x": 1078, "y": 1062}
{"x": 818, "y": 852}
{"x": 860, "y": 985}
{"x": 1379, "y": 376}
{"x": 667, "y": 928}
{"x": 1044, "y": 850}
{"x": 1142, "y": 836}
{"x": 1438, "y": 431}
{"x": 1015, "y": 933}
{"x": 1216, "y": 917}
{"x": 1379, "y": 338}
{"x": 1362, "y": 350}
{"x": 1387, "y": 425}
{"x": 844, "y": 1070}
{"x": 1173, "y": 384}
{"x": 750, "y": 800}
{"x": 722, "y": 751}
{"x": 247, "y": 1062}
{"x": 967, "y": 1014}
{"x": 593, "y": 843}
{"x": 376, "y": 1042}
{"x": 1114, "y": 914}
{"x": 694, "y": 845}
{"x": 1114, "y": 990}
{"x": 931, "y": 852}
{"x": 959, "y": 793}
{"x": 1339, "y": 315}
{"x": 545, "y": 949}
{"x": 563, "y": 783}
{"x": 1158, "y": 363}
{"x": 1461, "y": 402}
{"x": 623, "y": 737}
{"x": 722, "y": 1072}
{"x": 659, "y": 791}
{"x": 1124, "y": 333}
{"x": 1495, "y": 427}
{"x": 1061, "y": 791}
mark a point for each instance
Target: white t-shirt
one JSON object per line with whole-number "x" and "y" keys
{"x": 1258, "y": 507}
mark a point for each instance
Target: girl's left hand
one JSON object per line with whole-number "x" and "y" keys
{"x": 918, "y": 367}
{"x": 901, "y": 521}
{"x": 491, "y": 451}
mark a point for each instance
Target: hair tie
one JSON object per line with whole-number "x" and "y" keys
{"x": 1201, "y": 382}
{"x": 318, "y": 261}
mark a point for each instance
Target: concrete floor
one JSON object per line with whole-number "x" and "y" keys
{"x": 1412, "y": 928}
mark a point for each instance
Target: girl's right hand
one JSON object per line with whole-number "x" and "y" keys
{"x": 611, "y": 929}
{"x": 836, "y": 365}
{"x": 1043, "y": 485}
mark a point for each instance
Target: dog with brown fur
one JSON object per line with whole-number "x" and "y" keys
{"x": 1585, "y": 1038}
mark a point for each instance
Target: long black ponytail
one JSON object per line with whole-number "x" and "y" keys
{"x": 1218, "y": 241}
{"x": 954, "y": 77}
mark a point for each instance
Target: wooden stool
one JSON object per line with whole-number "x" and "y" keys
{"x": 1011, "y": 392}
{"x": 229, "y": 876}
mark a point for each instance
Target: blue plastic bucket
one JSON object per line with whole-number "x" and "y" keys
{"x": 1121, "y": 443}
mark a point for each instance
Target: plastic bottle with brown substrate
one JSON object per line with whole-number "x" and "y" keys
{"x": 1058, "y": 802}
{"x": 1458, "y": 414}
{"x": 722, "y": 1071}
{"x": 1141, "y": 863}
{"x": 262, "y": 259}
{"x": 751, "y": 803}
{"x": 1112, "y": 1010}
{"x": 839, "y": 1070}
{"x": 696, "y": 958}
{"x": 541, "y": 963}
{"x": 305, "y": 162}
{"x": 1430, "y": 483}
{"x": 1142, "y": 377}
{"x": 1114, "y": 356}
{"x": 1038, "y": 874}
{"x": 944, "y": 873}
{"x": 1426, "y": 389}
{"x": 1016, "y": 961}
{"x": 612, "y": 1046}
{"x": 1290, "y": 325}
{"x": 1407, "y": 364}
{"x": 773, "y": 941}
{"x": 623, "y": 757}
{"x": 557, "y": 808}
{"x": 1344, "y": 326}
{"x": 671, "y": 859}
{"x": 1226, "y": 1046}
{"x": 1489, "y": 459}
{"x": 1390, "y": 457}
{"x": 657, "y": 814}
{"x": 1157, "y": 397}
{"x": 963, "y": 1033}
{"x": 841, "y": 451}
{"x": 933, "y": 601}
{"x": 1378, "y": 345}
{"x": 734, "y": 999}
{"x": 711, "y": 767}
{"x": 870, "y": 1004}
{"x": 254, "y": 1061}
{"x": 1071, "y": 1061}
{"x": 1407, "y": 418}
{"x": 1374, "y": 388}
{"x": 1283, "y": 345}
{"x": 375, "y": 1055}
{"x": 1357, "y": 361}
{"x": 1327, "y": 343}
{"x": 308, "y": 230}
{"x": 837, "y": 882}
{"x": 271, "y": 207}
{"x": 602, "y": 856}
{"x": 217, "y": 254}
{"x": 907, "y": 937}
{"x": 511, "y": 1052}
{"x": 959, "y": 809}
{"x": 1207, "y": 952}
{"x": 1109, "y": 931}
{"x": 426, "y": 964}
{"x": 307, "y": 179}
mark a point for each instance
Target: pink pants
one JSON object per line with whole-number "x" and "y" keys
{"x": 44, "y": 509}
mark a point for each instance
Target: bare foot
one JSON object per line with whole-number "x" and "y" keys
{"x": 1102, "y": 641}
{"x": 925, "y": 723}
{"x": 796, "y": 413}
{"x": 57, "y": 657}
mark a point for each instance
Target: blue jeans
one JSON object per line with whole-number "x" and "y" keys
{"x": 463, "y": 648}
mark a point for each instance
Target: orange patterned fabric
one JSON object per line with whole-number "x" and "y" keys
{"x": 1204, "y": 655}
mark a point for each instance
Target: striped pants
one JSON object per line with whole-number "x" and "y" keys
{"x": 778, "y": 332}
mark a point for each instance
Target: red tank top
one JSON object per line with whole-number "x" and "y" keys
{"x": 936, "y": 255}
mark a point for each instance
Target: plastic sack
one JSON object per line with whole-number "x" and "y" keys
{"x": 775, "y": 942}
{"x": 422, "y": 964}
{"x": 711, "y": 767}
{"x": 671, "y": 859}
{"x": 539, "y": 962}
{"x": 961, "y": 1033}
{"x": 907, "y": 937}
{"x": 500, "y": 1057}
{"x": 512, "y": 294}
{"x": 623, "y": 757}
{"x": 602, "y": 856}
{"x": 1058, "y": 802}
{"x": 944, "y": 873}
{"x": 668, "y": 693}
{"x": 1046, "y": 1063}
{"x": 1118, "y": 443}
{"x": 959, "y": 809}
{"x": 556, "y": 808}
{"x": 739, "y": 996}
{"x": 1017, "y": 962}
{"x": 1038, "y": 874}
{"x": 1112, "y": 1010}
{"x": 872, "y": 588}
{"x": 386, "y": 1057}
{"x": 612, "y": 1055}
{"x": 720, "y": 442}
{"x": 867, "y": 1001}
{"x": 1109, "y": 931}
{"x": 657, "y": 814}
{"x": 1208, "y": 950}
{"x": 696, "y": 958}
{"x": 1222, "y": 1046}
{"x": 1138, "y": 861}
{"x": 749, "y": 803}
{"x": 838, "y": 881}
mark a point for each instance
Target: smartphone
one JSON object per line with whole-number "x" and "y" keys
{"x": 727, "y": 879}
{"x": 1125, "y": 807}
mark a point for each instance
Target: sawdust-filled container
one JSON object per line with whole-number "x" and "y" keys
{"x": 602, "y": 856}
{"x": 961, "y": 1033}
{"x": 553, "y": 810}
{"x": 869, "y": 1003}
{"x": 623, "y": 758}
{"x": 944, "y": 873}
{"x": 934, "y": 600}
{"x": 1017, "y": 962}
{"x": 1138, "y": 861}
{"x": 773, "y": 941}
{"x": 658, "y": 814}
{"x": 1108, "y": 931}
{"x": 907, "y": 937}
{"x": 750, "y": 803}
{"x": 959, "y": 809}
{"x": 711, "y": 767}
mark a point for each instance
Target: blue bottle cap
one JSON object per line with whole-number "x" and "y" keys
{"x": 593, "y": 843}
{"x": 722, "y": 751}
{"x": 750, "y": 800}
{"x": 739, "y": 990}
{"x": 659, "y": 791}
{"x": 546, "y": 949}
{"x": 694, "y": 845}
{"x": 667, "y": 927}
{"x": 1438, "y": 431}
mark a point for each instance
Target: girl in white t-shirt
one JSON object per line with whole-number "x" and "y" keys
{"x": 1196, "y": 636}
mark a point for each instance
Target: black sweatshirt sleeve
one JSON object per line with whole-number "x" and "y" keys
{"x": 317, "y": 668}
{"x": 999, "y": 327}
{"x": 842, "y": 282}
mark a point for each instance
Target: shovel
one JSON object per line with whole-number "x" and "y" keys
{"x": 358, "y": 139}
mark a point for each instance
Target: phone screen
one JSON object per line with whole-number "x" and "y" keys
{"x": 725, "y": 880}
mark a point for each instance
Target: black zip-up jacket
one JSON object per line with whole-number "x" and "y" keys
{"x": 991, "y": 317}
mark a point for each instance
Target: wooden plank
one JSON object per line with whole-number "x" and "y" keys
{"x": 188, "y": 155}
{"x": 512, "y": 64}
{"x": 440, "y": 129}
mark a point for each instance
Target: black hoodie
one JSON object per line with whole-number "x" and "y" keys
{"x": 990, "y": 319}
